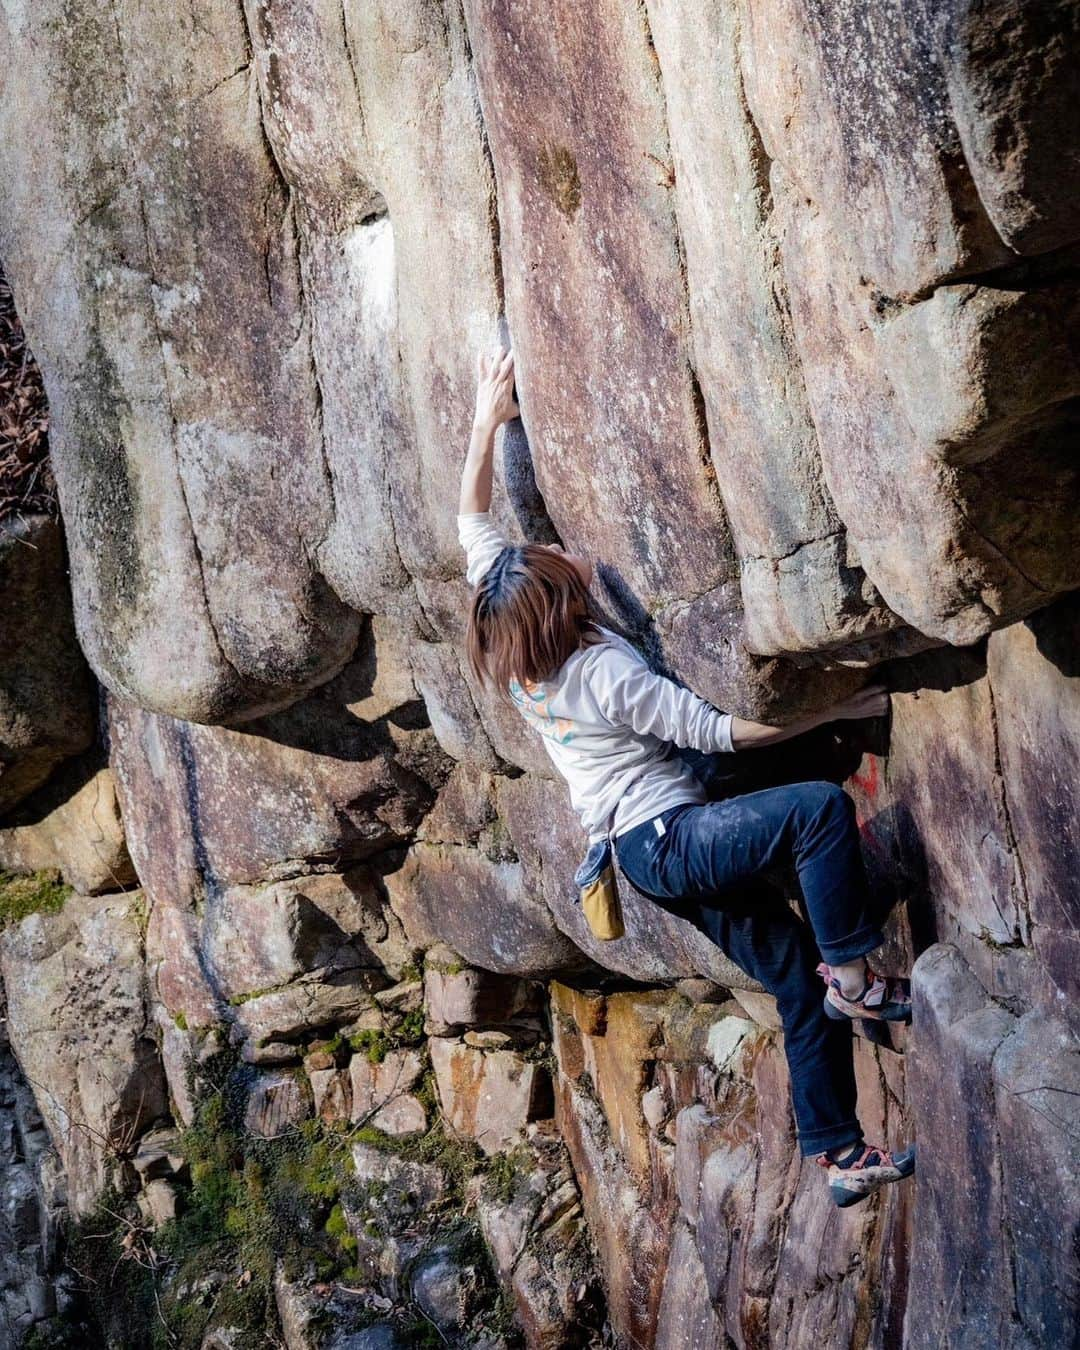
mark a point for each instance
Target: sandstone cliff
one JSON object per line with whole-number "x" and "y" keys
{"x": 309, "y": 1042}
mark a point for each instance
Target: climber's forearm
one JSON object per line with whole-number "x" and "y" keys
{"x": 479, "y": 465}
{"x": 872, "y": 700}
{"x": 747, "y": 735}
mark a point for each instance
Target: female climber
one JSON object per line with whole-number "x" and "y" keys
{"x": 609, "y": 724}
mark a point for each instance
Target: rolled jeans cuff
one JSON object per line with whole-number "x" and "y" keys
{"x": 813, "y": 1142}
{"x": 846, "y": 949}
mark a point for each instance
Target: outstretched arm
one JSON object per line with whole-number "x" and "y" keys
{"x": 870, "y": 701}
{"x": 628, "y": 692}
{"x": 494, "y": 405}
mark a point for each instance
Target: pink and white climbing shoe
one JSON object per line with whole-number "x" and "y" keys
{"x": 885, "y": 998}
{"x": 864, "y": 1170}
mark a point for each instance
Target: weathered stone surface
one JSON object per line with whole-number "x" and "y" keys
{"x": 158, "y": 1155}
{"x": 948, "y": 548}
{"x": 454, "y": 718}
{"x": 1011, "y": 84}
{"x": 798, "y": 589}
{"x": 574, "y": 223}
{"x": 792, "y": 288}
{"x": 685, "y": 1315}
{"x": 265, "y": 936}
{"x": 45, "y": 690}
{"x": 343, "y": 774}
{"x": 629, "y": 1225}
{"x": 616, "y": 1057}
{"x": 464, "y": 810}
{"x": 440, "y": 1286}
{"x": 404, "y": 997}
{"x": 275, "y": 1103}
{"x": 331, "y": 1093}
{"x": 1004, "y": 1119}
{"x": 488, "y": 1095}
{"x": 410, "y": 1186}
{"x": 974, "y": 367}
{"x": 71, "y": 823}
{"x": 393, "y": 1193}
{"x": 944, "y": 751}
{"x": 737, "y": 1169}
{"x": 856, "y": 109}
{"x": 379, "y": 1093}
{"x": 1036, "y": 682}
{"x": 154, "y": 271}
{"x": 183, "y": 1051}
{"x": 314, "y": 1001}
{"x": 77, "y": 1019}
{"x": 295, "y": 1307}
{"x": 485, "y": 910}
{"x": 177, "y": 972}
{"x": 860, "y": 247}
{"x": 32, "y": 1281}
{"x": 158, "y": 1202}
{"x": 456, "y": 995}
{"x": 537, "y": 1239}
{"x": 277, "y": 959}
{"x": 609, "y": 1051}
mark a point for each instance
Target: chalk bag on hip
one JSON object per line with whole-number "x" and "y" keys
{"x": 598, "y": 892}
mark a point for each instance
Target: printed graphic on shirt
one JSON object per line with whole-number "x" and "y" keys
{"x": 533, "y": 703}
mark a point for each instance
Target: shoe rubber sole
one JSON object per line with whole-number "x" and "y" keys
{"x": 844, "y": 1193}
{"x": 839, "y": 1015}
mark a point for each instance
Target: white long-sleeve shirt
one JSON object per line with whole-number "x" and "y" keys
{"x": 607, "y": 720}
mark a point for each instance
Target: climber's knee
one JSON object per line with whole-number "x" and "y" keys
{"x": 821, "y": 802}
{"x": 833, "y": 797}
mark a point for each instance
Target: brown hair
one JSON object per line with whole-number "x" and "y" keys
{"x": 530, "y": 612}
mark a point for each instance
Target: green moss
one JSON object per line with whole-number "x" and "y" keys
{"x": 59, "y": 1333}
{"x": 41, "y": 892}
{"x": 372, "y": 1042}
{"x": 426, "y": 1093}
{"x": 505, "y": 1169}
{"x": 141, "y": 909}
{"x": 410, "y": 971}
{"x": 377, "y": 1042}
{"x": 453, "y": 967}
{"x": 249, "y": 1203}
{"x": 458, "y": 1158}
{"x": 336, "y": 1045}
{"x": 248, "y": 995}
{"x": 337, "y": 1227}
{"x": 180, "y": 1020}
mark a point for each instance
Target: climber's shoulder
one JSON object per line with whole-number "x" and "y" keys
{"x": 609, "y": 648}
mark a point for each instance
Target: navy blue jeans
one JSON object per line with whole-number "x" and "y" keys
{"x": 708, "y": 865}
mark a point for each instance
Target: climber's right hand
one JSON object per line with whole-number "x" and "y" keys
{"x": 495, "y": 402}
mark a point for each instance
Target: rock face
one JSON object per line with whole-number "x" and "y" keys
{"x": 792, "y": 291}
{"x": 1016, "y": 1076}
{"x": 45, "y": 708}
{"x": 32, "y": 1196}
{"x": 77, "y": 1012}
{"x": 72, "y": 823}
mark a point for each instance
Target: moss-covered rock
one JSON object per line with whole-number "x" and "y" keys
{"x": 41, "y": 892}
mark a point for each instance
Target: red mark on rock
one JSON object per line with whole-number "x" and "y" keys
{"x": 869, "y": 781}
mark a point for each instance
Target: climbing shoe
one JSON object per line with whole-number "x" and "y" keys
{"x": 884, "y": 998}
{"x": 864, "y": 1170}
